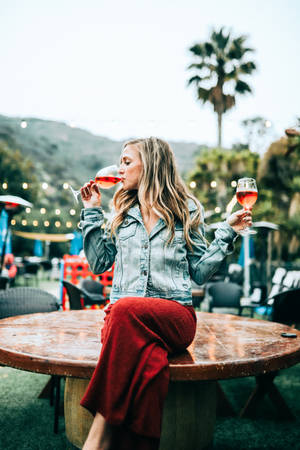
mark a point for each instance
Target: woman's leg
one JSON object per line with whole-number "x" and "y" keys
{"x": 100, "y": 435}
{"x": 130, "y": 382}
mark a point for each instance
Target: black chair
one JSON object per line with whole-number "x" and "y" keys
{"x": 31, "y": 272}
{"x": 75, "y": 295}
{"x": 225, "y": 295}
{"x": 4, "y": 281}
{"x": 286, "y": 307}
{"x": 78, "y": 297}
{"x": 93, "y": 292}
{"x": 29, "y": 300}
{"x": 26, "y": 300}
{"x": 285, "y": 310}
{"x": 47, "y": 268}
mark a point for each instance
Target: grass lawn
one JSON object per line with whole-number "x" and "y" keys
{"x": 26, "y": 422}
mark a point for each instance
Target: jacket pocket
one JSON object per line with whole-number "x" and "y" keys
{"x": 164, "y": 235}
{"x": 127, "y": 229}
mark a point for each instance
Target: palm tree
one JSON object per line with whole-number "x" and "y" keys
{"x": 221, "y": 61}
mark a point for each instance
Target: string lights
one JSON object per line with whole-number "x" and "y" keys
{"x": 25, "y": 185}
{"x": 34, "y": 222}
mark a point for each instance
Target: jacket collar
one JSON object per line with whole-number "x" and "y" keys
{"x": 135, "y": 212}
{"x": 192, "y": 205}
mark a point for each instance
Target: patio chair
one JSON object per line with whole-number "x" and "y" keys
{"x": 4, "y": 281}
{"x": 286, "y": 310}
{"x": 75, "y": 295}
{"x": 225, "y": 294}
{"x": 26, "y": 300}
{"x": 47, "y": 268}
{"x": 286, "y": 307}
{"x": 79, "y": 298}
{"x": 93, "y": 292}
{"x": 31, "y": 273}
{"x": 29, "y": 300}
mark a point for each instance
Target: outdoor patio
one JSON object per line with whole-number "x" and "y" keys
{"x": 28, "y": 420}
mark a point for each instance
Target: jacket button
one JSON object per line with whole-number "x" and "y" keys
{"x": 146, "y": 246}
{"x": 145, "y": 272}
{"x": 125, "y": 221}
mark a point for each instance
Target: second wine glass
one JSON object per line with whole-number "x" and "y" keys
{"x": 106, "y": 178}
{"x": 246, "y": 194}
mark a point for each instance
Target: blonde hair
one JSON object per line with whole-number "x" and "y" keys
{"x": 160, "y": 189}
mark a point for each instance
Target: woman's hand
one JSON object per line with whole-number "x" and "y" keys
{"x": 240, "y": 220}
{"x": 90, "y": 195}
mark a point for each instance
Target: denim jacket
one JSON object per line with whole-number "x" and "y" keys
{"x": 145, "y": 265}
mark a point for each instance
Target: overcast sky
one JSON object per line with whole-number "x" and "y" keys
{"x": 118, "y": 68}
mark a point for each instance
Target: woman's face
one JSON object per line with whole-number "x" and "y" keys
{"x": 131, "y": 167}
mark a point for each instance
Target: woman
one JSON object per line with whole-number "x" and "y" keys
{"x": 9, "y": 269}
{"x": 156, "y": 240}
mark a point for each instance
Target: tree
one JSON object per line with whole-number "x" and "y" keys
{"x": 221, "y": 62}
{"x": 16, "y": 170}
{"x": 278, "y": 180}
{"x": 279, "y": 176}
{"x": 215, "y": 175}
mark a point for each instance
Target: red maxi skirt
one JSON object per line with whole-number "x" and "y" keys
{"x": 130, "y": 382}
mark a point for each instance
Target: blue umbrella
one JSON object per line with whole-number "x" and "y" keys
{"x": 3, "y": 231}
{"x": 76, "y": 244}
{"x": 38, "y": 248}
{"x": 11, "y": 204}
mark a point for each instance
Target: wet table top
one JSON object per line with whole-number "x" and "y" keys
{"x": 225, "y": 346}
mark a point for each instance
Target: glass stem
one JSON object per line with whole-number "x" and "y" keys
{"x": 75, "y": 194}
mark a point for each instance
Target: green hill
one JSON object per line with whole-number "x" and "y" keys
{"x": 62, "y": 153}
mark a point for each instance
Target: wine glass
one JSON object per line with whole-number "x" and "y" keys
{"x": 246, "y": 194}
{"x": 106, "y": 178}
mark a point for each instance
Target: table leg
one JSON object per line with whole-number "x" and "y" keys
{"x": 265, "y": 385}
{"x": 188, "y": 419}
{"x": 224, "y": 407}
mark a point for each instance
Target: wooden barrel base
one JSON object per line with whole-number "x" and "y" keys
{"x": 189, "y": 415}
{"x": 188, "y": 419}
{"x": 77, "y": 419}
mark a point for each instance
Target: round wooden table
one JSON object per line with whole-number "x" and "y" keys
{"x": 225, "y": 346}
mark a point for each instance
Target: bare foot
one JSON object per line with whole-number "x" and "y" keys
{"x": 99, "y": 437}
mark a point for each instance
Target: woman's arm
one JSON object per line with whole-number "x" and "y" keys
{"x": 99, "y": 247}
{"x": 205, "y": 260}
